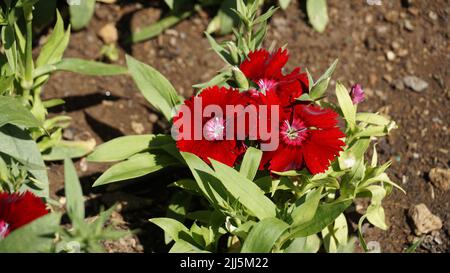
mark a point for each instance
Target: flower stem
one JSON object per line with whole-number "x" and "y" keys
{"x": 28, "y": 77}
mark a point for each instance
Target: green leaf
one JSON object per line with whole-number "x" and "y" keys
{"x": 80, "y": 66}
{"x": 284, "y": 3}
{"x": 81, "y": 14}
{"x": 324, "y": 216}
{"x": 245, "y": 191}
{"x": 227, "y": 19}
{"x": 310, "y": 244}
{"x": 37, "y": 236}
{"x": 53, "y": 49}
{"x": 220, "y": 50}
{"x": 181, "y": 246}
{"x": 209, "y": 185}
{"x": 264, "y": 235}
{"x": 346, "y": 104}
{"x": 317, "y": 14}
{"x": 25, "y": 3}
{"x": 12, "y": 111}
{"x": 169, "y": 3}
{"x": 335, "y": 235}
{"x": 319, "y": 89}
{"x": 10, "y": 47}
{"x": 70, "y": 149}
{"x": 120, "y": 148}
{"x": 329, "y": 72}
{"x": 74, "y": 194}
{"x": 375, "y": 212}
{"x": 306, "y": 211}
{"x": 372, "y": 118}
{"x": 136, "y": 166}
{"x": 18, "y": 144}
{"x": 176, "y": 230}
{"x": 154, "y": 86}
{"x": 157, "y": 28}
{"x": 250, "y": 163}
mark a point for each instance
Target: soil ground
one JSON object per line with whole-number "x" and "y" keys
{"x": 360, "y": 35}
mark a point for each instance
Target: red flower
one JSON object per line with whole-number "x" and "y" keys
{"x": 17, "y": 210}
{"x": 309, "y": 137}
{"x": 259, "y": 99}
{"x": 213, "y": 142}
{"x": 266, "y": 70}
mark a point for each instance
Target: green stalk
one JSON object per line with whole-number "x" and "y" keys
{"x": 28, "y": 77}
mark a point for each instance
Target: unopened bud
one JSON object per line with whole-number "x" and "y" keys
{"x": 240, "y": 78}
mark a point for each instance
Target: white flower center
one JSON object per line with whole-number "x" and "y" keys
{"x": 214, "y": 129}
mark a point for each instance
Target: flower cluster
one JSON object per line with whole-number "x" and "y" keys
{"x": 17, "y": 210}
{"x": 307, "y": 135}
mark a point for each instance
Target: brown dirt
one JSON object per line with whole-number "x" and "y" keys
{"x": 358, "y": 34}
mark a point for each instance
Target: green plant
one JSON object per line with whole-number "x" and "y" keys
{"x": 225, "y": 19}
{"x": 254, "y": 209}
{"x": 23, "y": 78}
{"x": 45, "y": 234}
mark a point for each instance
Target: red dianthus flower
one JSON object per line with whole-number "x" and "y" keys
{"x": 266, "y": 70}
{"x": 213, "y": 143}
{"x": 308, "y": 137}
{"x": 17, "y": 210}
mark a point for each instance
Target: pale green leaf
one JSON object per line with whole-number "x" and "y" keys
{"x": 154, "y": 86}
{"x": 264, "y": 235}
{"x": 73, "y": 191}
{"x": 250, "y": 163}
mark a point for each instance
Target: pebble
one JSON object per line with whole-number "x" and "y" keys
{"x": 415, "y": 83}
{"x": 390, "y": 55}
{"x": 153, "y": 118}
{"x": 440, "y": 178}
{"x": 398, "y": 84}
{"x": 424, "y": 221}
{"x": 373, "y": 247}
{"x": 84, "y": 164}
{"x": 69, "y": 133}
{"x": 402, "y": 52}
{"x": 409, "y": 26}
{"x": 391, "y": 16}
{"x": 433, "y": 16}
{"x": 108, "y": 33}
{"x": 137, "y": 127}
{"x": 387, "y": 78}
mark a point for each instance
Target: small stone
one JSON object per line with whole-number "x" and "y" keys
{"x": 108, "y": 33}
{"x": 69, "y": 133}
{"x": 409, "y": 26}
{"x": 414, "y": 11}
{"x": 153, "y": 118}
{"x": 390, "y": 55}
{"x": 398, "y": 84}
{"x": 402, "y": 52}
{"x": 373, "y": 247}
{"x": 433, "y": 16}
{"x": 373, "y": 78}
{"x": 415, "y": 83}
{"x": 137, "y": 127}
{"x": 83, "y": 164}
{"x": 368, "y": 19}
{"x": 424, "y": 221}
{"x": 416, "y": 155}
{"x": 395, "y": 45}
{"x": 172, "y": 32}
{"x": 381, "y": 31}
{"x": 440, "y": 178}
{"x": 391, "y": 16}
{"x": 387, "y": 78}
